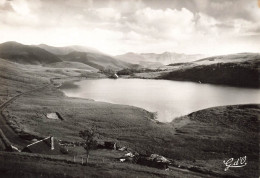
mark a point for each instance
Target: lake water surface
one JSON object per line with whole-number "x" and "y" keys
{"x": 169, "y": 99}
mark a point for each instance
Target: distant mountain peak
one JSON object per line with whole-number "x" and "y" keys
{"x": 164, "y": 58}
{"x": 11, "y": 43}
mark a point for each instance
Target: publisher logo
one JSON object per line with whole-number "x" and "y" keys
{"x": 236, "y": 163}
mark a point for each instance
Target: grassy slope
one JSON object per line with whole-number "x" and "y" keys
{"x": 236, "y": 70}
{"x": 73, "y": 65}
{"x": 102, "y": 163}
{"x": 201, "y": 139}
{"x": 118, "y": 122}
{"x": 16, "y": 78}
{"x": 26, "y": 54}
{"x": 216, "y": 134}
{"x": 98, "y": 61}
{"x": 126, "y": 124}
{"x": 114, "y": 121}
{"x": 66, "y": 49}
{"x": 243, "y": 74}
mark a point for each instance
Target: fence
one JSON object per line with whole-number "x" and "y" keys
{"x": 79, "y": 159}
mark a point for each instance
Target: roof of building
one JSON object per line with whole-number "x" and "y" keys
{"x": 43, "y": 146}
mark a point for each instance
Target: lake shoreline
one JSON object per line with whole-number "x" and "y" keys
{"x": 116, "y": 88}
{"x": 197, "y": 142}
{"x": 181, "y": 132}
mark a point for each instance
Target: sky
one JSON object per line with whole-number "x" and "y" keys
{"x": 209, "y": 27}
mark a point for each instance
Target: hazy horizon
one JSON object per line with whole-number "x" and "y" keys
{"x": 141, "y": 26}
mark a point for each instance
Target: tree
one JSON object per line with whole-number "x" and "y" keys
{"x": 89, "y": 137}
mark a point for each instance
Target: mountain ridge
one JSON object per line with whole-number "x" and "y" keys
{"x": 164, "y": 58}
{"x": 26, "y": 54}
{"x": 35, "y": 55}
{"x": 98, "y": 61}
{"x": 67, "y": 49}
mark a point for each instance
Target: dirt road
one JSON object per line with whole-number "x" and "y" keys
{"x": 7, "y": 130}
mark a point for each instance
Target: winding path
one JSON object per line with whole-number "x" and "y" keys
{"x": 17, "y": 141}
{"x": 10, "y": 134}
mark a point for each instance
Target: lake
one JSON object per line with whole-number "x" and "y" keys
{"x": 170, "y": 99}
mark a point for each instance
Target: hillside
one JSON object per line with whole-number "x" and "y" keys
{"x": 26, "y": 54}
{"x": 163, "y": 58}
{"x": 198, "y": 142}
{"x": 102, "y": 163}
{"x": 220, "y": 133}
{"x": 235, "y": 58}
{"x": 66, "y": 49}
{"x": 235, "y": 70}
{"x": 29, "y": 54}
{"x": 98, "y": 61}
{"x": 71, "y": 65}
{"x": 16, "y": 78}
{"x": 131, "y": 57}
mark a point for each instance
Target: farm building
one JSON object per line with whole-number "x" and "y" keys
{"x": 47, "y": 145}
{"x": 152, "y": 163}
{"x": 54, "y": 116}
{"x": 110, "y": 145}
{"x": 114, "y": 76}
{"x": 153, "y": 160}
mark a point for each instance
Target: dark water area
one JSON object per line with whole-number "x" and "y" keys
{"x": 68, "y": 85}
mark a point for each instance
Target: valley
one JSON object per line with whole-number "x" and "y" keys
{"x": 197, "y": 143}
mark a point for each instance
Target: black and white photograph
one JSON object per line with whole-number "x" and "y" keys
{"x": 129, "y": 88}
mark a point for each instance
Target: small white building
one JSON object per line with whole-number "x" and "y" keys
{"x": 115, "y": 76}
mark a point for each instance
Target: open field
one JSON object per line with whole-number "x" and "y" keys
{"x": 102, "y": 163}
{"x": 199, "y": 141}
{"x": 240, "y": 70}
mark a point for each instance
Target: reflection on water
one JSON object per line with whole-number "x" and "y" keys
{"x": 169, "y": 98}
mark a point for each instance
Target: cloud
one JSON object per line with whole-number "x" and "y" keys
{"x": 164, "y": 24}
{"x": 16, "y": 13}
{"x": 190, "y": 26}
